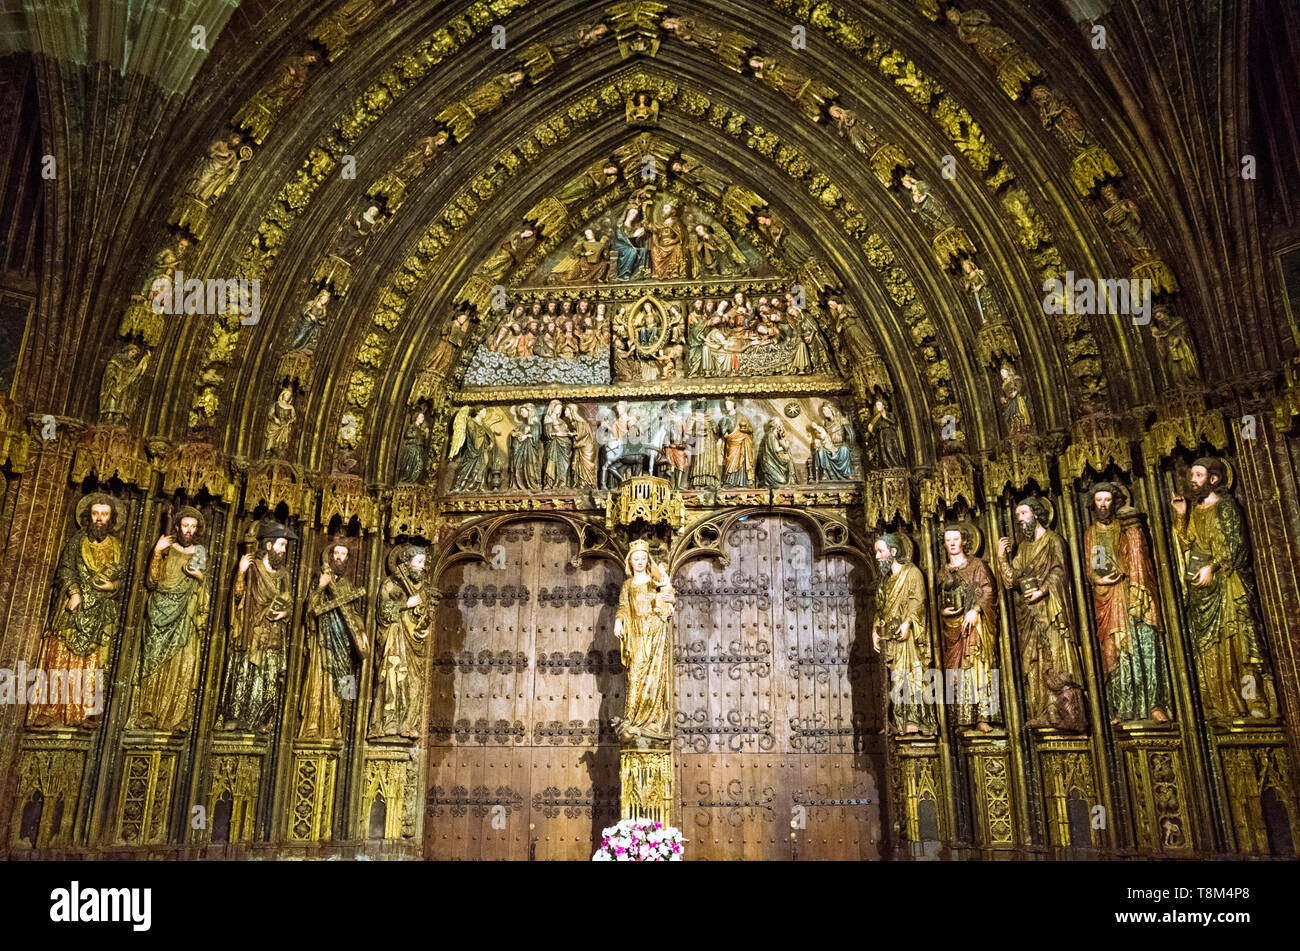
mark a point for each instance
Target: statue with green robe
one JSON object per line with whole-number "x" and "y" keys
{"x": 334, "y": 631}
{"x": 1126, "y": 607}
{"x": 259, "y": 632}
{"x": 176, "y": 613}
{"x": 1220, "y": 598}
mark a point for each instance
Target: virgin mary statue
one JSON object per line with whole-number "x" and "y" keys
{"x": 643, "y": 627}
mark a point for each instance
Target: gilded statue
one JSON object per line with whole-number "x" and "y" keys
{"x": 176, "y": 615}
{"x": 260, "y": 609}
{"x": 1176, "y": 353}
{"x": 279, "y": 423}
{"x": 306, "y": 333}
{"x": 1015, "y": 407}
{"x": 87, "y": 608}
{"x": 401, "y": 643}
{"x": 996, "y": 48}
{"x": 902, "y": 634}
{"x": 411, "y": 456}
{"x": 525, "y": 472}
{"x": 1038, "y": 575}
{"x": 471, "y": 447}
{"x": 968, "y": 617}
{"x": 1220, "y": 597}
{"x": 334, "y": 632}
{"x": 1126, "y": 607}
{"x": 119, "y": 390}
{"x": 643, "y": 626}
{"x": 884, "y": 447}
{"x": 775, "y": 467}
{"x": 737, "y": 445}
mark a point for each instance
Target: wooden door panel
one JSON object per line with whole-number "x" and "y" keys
{"x": 776, "y": 718}
{"x": 774, "y": 705}
{"x": 526, "y": 671}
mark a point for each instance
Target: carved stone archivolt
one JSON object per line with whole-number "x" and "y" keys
{"x": 855, "y": 365}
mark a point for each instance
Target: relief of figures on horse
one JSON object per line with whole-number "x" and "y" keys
{"x": 700, "y": 446}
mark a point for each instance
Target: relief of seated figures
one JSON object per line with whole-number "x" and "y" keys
{"x": 559, "y": 341}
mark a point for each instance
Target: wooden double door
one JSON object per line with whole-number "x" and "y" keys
{"x": 778, "y": 706}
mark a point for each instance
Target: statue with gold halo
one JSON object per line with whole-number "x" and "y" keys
{"x": 643, "y": 627}
{"x": 1220, "y": 597}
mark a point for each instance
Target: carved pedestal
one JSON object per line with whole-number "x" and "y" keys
{"x": 1259, "y": 788}
{"x": 390, "y": 799}
{"x": 144, "y": 799}
{"x": 236, "y": 771}
{"x": 1076, "y": 818}
{"x": 50, "y": 771}
{"x": 646, "y": 785}
{"x": 311, "y": 809}
{"x": 920, "y": 820}
{"x": 988, "y": 764}
{"x": 1158, "y": 789}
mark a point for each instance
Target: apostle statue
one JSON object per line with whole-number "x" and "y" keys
{"x": 471, "y": 446}
{"x": 334, "y": 631}
{"x": 1220, "y": 597}
{"x": 87, "y": 605}
{"x": 526, "y": 451}
{"x": 401, "y": 641}
{"x": 1049, "y": 654}
{"x": 737, "y": 445}
{"x": 902, "y": 634}
{"x": 1126, "y": 607}
{"x": 279, "y": 423}
{"x": 968, "y": 615}
{"x": 775, "y": 466}
{"x": 119, "y": 390}
{"x": 643, "y": 626}
{"x": 176, "y": 614}
{"x": 259, "y": 631}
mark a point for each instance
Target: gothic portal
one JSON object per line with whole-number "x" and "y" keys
{"x": 834, "y": 431}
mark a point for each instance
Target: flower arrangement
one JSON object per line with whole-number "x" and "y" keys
{"x": 640, "y": 840}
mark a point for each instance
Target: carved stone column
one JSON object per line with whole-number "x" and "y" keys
{"x": 38, "y": 524}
